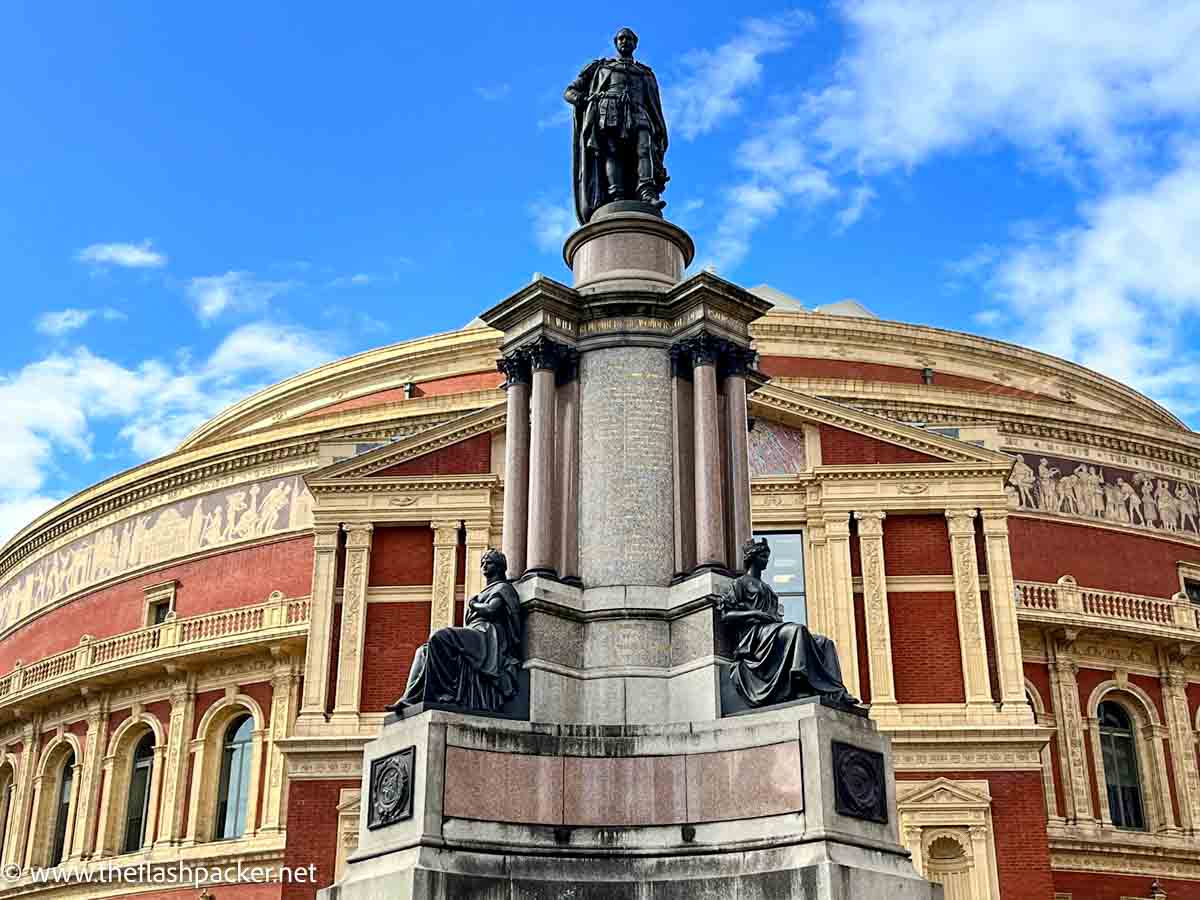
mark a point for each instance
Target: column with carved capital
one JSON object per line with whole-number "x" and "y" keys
{"x": 875, "y": 606}
{"x": 17, "y": 839}
{"x": 94, "y": 747}
{"x": 515, "y": 367}
{"x": 354, "y": 621}
{"x": 816, "y": 593}
{"x": 567, "y": 483}
{"x": 840, "y": 593}
{"x": 284, "y": 676}
{"x": 1183, "y": 746}
{"x": 544, "y": 542}
{"x": 1077, "y": 803}
{"x": 445, "y": 564}
{"x": 175, "y": 766}
{"x": 969, "y": 606}
{"x": 710, "y": 512}
{"x": 981, "y": 859}
{"x": 737, "y": 364}
{"x": 1001, "y": 593}
{"x": 320, "y": 627}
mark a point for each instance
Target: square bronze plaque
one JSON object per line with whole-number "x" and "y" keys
{"x": 859, "y": 783}
{"x": 391, "y": 799}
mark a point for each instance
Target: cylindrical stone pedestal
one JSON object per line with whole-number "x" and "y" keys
{"x": 628, "y": 251}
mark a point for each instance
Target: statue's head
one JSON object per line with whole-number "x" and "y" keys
{"x": 494, "y": 564}
{"x": 755, "y": 552}
{"x": 626, "y": 42}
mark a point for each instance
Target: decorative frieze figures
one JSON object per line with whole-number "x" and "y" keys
{"x": 620, "y": 134}
{"x": 775, "y": 660}
{"x": 474, "y": 667}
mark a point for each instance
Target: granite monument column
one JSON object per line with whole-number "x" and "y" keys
{"x": 737, "y": 364}
{"x": 710, "y": 516}
{"x": 567, "y": 448}
{"x": 543, "y": 542}
{"x": 516, "y": 460}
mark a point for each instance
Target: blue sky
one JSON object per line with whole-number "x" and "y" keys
{"x": 200, "y": 200}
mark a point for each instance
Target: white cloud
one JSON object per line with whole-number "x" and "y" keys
{"x": 714, "y": 80}
{"x": 129, "y": 256}
{"x": 556, "y": 119}
{"x": 53, "y": 407}
{"x": 551, "y": 224}
{"x": 64, "y": 321}
{"x": 493, "y": 92}
{"x": 359, "y": 279}
{"x": 1119, "y": 292}
{"x": 860, "y": 198}
{"x": 212, "y": 295}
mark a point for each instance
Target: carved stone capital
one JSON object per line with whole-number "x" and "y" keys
{"x": 515, "y": 367}
{"x": 358, "y": 535}
{"x": 995, "y": 522}
{"x": 325, "y": 537}
{"x": 961, "y": 521}
{"x": 837, "y": 526}
{"x": 870, "y": 522}
{"x": 545, "y": 354}
{"x": 738, "y": 361}
{"x": 703, "y": 349}
{"x": 445, "y": 534}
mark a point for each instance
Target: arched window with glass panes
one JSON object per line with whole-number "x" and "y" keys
{"x": 233, "y": 790}
{"x": 1118, "y": 744}
{"x": 62, "y": 809}
{"x": 137, "y": 810}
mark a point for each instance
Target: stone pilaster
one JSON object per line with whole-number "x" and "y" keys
{"x": 516, "y": 461}
{"x": 17, "y": 840}
{"x": 1077, "y": 803}
{"x": 94, "y": 746}
{"x": 840, "y": 590}
{"x": 710, "y": 511}
{"x": 175, "y": 765}
{"x": 816, "y": 579}
{"x": 1001, "y": 593}
{"x": 875, "y": 606}
{"x": 283, "y": 683}
{"x": 1183, "y": 747}
{"x": 479, "y": 536}
{"x": 969, "y": 606}
{"x": 445, "y": 563}
{"x": 320, "y": 629}
{"x": 544, "y": 542}
{"x": 737, "y": 364}
{"x": 354, "y": 620}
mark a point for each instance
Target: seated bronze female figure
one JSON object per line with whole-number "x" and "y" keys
{"x": 475, "y": 666}
{"x": 776, "y": 660}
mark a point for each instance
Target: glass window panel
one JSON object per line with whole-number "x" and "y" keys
{"x": 138, "y": 804}
{"x": 62, "y": 815}
{"x": 1121, "y": 776}
{"x": 785, "y": 572}
{"x": 1193, "y": 589}
{"x": 234, "y": 787}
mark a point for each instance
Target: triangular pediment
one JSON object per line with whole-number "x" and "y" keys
{"x": 795, "y": 410}
{"x": 383, "y": 461}
{"x": 943, "y": 792}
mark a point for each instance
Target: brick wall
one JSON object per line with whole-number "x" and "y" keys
{"x": 470, "y": 457}
{"x": 222, "y": 581}
{"x": 1090, "y": 886}
{"x": 401, "y": 555}
{"x": 1019, "y": 828}
{"x": 916, "y": 545}
{"x": 1039, "y": 674}
{"x": 312, "y": 833}
{"x": 1097, "y": 557}
{"x": 394, "y": 632}
{"x": 843, "y": 448}
{"x": 809, "y": 367}
{"x": 926, "y": 656}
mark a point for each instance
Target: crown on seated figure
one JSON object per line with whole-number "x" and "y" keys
{"x": 753, "y": 548}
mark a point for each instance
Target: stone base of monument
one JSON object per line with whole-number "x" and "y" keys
{"x": 797, "y": 801}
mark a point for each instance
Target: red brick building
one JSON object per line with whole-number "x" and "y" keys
{"x": 1005, "y": 546}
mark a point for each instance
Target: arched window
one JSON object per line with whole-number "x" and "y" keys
{"x": 62, "y": 814}
{"x": 7, "y": 784}
{"x": 138, "y": 806}
{"x": 1118, "y": 747}
{"x": 233, "y": 790}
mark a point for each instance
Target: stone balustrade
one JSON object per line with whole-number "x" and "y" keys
{"x": 277, "y": 619}
{"x": 1066, "y": 603}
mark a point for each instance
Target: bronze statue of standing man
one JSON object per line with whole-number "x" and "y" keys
{"x": 620, "y": 134}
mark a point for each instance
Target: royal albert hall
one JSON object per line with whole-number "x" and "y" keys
{"x": 1005, "y": 547}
